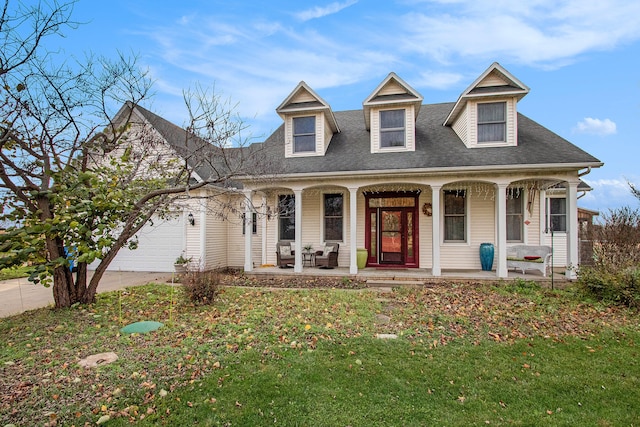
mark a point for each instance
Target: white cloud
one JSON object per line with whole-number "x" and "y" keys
{"x": 319, "y": 12}
{"x": 608, "y": 193}
{"x": 546, "y": 33}
{"x": 596, "y": 126}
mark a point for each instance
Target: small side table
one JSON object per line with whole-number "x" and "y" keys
{"x": 309, "y": 258}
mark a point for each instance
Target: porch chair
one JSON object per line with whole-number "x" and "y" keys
{"x": 328, "y": 258}
{"x": 284, "y": 254}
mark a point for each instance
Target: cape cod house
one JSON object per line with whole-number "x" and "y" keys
{"x": 416, "y": 185}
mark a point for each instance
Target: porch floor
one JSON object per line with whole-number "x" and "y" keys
{"x": 408, "y": 275}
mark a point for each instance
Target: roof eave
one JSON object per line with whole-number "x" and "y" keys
{"x": 558, "y": 167}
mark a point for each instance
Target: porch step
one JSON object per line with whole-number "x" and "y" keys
{"x": 382, "y": 283}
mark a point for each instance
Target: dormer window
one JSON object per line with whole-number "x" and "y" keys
{"x": 392, "y": 128}
{"x": 304, "y": 134}
{"x": 492, "y": 123}
{"x": 486, "y": 114}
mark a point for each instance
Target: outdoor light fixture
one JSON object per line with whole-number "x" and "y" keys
{"x": 191, "y": 219}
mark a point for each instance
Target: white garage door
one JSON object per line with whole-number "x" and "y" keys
{"x": 158, "y": 247}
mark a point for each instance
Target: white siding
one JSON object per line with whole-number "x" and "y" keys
{"x": 216, "y": 241}
{"x": 481, "y": 229}
{"x": 328, "y": 134}
{"x": 158, "y": 247}
{"x": 302, "y": 96}
{"x": 461, "y": 125}
{"x": 392, "y": 88}
{"x": 493, "y": 79}
{"x": 425, "y": 224}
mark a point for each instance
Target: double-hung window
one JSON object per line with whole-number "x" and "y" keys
{"x": 304, "y": 134}
{"x": 556, "y": 218}
{"x": 492, "y": 122}
{"x": 333, "y": 217}
{"x": 514, "y": 216}
{"x": 287, "y": 216}
{"x": 455, "y": 216}
{"x": 392, "y": 128}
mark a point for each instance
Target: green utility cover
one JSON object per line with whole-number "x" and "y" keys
{"x": 141, "y": 327}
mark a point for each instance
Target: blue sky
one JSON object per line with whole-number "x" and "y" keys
{"x": 579, "y": 57}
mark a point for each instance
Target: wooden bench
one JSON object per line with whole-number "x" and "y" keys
{"x": 525, "y": 257}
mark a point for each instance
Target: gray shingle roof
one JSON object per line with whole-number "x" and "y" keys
{"x": 437, "y": 147}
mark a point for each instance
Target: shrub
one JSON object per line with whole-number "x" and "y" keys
{"x": 201, "y": 287}
{"x": 614, "y": 276}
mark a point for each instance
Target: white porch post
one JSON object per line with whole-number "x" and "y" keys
{"x": 353, "y": 230}
{"x": 248, "y": 259}
{"x": 298, "y": 221}
{"x": 203, "y": 235}
{"x": 572, "y": 229}
{"x": 263, "y": 228}
{"x": 435, "y": 230}
{"x": 501, "y": 200}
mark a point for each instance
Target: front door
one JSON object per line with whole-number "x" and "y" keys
{"x": 392, "y": 236}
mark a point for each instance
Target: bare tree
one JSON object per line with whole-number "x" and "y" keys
{"x": 80, "y": 180}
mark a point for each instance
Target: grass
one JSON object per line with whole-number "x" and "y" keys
{"x": 465, "y": 355}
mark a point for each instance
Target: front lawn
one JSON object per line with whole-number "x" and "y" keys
{"x": 465, "y": 355}
{"x": 13, "y": 273}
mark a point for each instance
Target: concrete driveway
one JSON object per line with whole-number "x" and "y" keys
{"x": 19, "y": 295}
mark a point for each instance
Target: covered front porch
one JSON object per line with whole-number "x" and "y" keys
{"x": 441, "y": 223}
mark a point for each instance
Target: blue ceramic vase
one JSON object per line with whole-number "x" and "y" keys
{"x": 486, "y": 256}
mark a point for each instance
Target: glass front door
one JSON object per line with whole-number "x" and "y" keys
{"x": 392, "y": 235}
{"x": 392, "y": 239}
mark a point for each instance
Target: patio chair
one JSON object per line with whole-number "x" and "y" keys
{"x": 284, "y": 254}
{"x": 328, "y": 258}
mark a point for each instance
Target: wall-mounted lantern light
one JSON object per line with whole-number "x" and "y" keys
{"x": 191, "y": 219}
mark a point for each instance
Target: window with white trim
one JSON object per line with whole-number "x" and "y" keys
{"x": 492, "y": 122}
{"x": 304, "y": 134}
{"x": 333, "y": 217}
{"x": 287, "y": 217}
{"x": 556, "y": 214}
{"x": 515, "y": 209}
{"x": 392, "y": 128}
{"x": 455, "y": 216}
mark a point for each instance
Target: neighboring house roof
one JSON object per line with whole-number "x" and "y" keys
{"x": 437, "y": 147}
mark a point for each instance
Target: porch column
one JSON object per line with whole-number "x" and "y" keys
{"x": 203, "y": 235}
{"x": 572, "y": 230}
{"x": 435, "y": 230}
{"x": 353, "y": 230}
{"x": 297, "y": 268}
{"x": 248, "y": 259}
{"x": 501, "y": 200}
{"x": 263, "y": 228}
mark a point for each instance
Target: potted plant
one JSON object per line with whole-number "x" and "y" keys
{"x": 308, "y": 248}
{"x": 181, "y": 264}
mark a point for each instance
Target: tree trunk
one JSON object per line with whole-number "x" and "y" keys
{"x": 81, "y": 281}
{"x": 90, "y": 294}
{"x": 62, "y": 288}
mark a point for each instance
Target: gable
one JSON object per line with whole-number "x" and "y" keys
{"x": 391, "y": 92}
{"x": 495, "y": 82}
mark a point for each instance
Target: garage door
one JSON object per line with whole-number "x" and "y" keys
{"x": 158, "y": 247}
